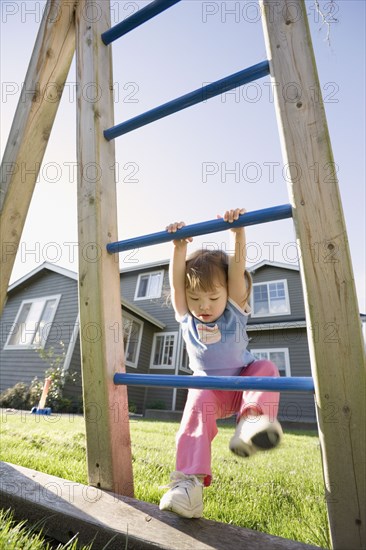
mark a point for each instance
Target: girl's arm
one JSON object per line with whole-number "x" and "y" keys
{"x": 237, "y": 286}
{"x": 177, "y": 271}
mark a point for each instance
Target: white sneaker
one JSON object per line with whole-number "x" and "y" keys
{"x": 255, "y": 434}
{"x": 184, "y": 496}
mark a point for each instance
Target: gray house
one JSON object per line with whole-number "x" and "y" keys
{"x": 42, "y": 311}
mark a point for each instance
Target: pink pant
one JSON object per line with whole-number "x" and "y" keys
{"x": 203, "y": 407}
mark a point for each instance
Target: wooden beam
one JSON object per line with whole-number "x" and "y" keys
{"x": 334, "y": 328}
{"x": 31, "y": 128}
{"x": 105, "y": 405}
{"x": 65, "y": 508}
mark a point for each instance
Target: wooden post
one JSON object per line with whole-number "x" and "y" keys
{"x": 33, "y": 121}
{"x": 334, "y": 328}
{"x": 106, "y": 406}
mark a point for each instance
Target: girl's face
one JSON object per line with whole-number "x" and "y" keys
{"x": 207, "y": 306}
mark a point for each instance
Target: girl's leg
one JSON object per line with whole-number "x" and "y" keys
{"x": 198, "y": 428}
{"x": 257, "y": 428}
{"x": 193, "y": 462}
{"x": 260, "y": 402}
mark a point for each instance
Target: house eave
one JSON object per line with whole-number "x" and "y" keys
{"x": 281, "y": 265}
{"x": 141, "y": 267}
{"x": 45, "y": 265}
{"x": 141, "y": 313}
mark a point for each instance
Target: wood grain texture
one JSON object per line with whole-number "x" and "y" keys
{"x": 105, "y": 405}
{"x": 334, "y": 328}
{"x": 32, "y": 125}
{"x": 65, "y": 508}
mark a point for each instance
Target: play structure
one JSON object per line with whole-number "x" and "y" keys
{"x": 338, "y": 368}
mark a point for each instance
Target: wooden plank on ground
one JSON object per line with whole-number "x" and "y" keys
{"x": 101, "y": 332}
{"x": 68, "y": 508}
{"x": 333, "y": 319}
{"x": 32, "y": 125}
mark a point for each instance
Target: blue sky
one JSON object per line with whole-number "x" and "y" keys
{"x": 195, "y": 164}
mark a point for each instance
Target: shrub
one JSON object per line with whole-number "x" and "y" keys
{"x": 59, "y": 378}
{"x": 132, "y": 408}
{"x": 23, "y": 396}
{"x": 17, "y": 397}
{"x": 35, "y": 391}
{"x": 157, "y": 404}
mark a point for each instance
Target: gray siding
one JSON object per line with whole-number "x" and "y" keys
{"x": 157, "y": 396}
{"x": 180, "y": 399}
{"x": 165, "y": 395}
{"x": 137, "y": 394}
{"x": 294, "y": 406}
{"x": 75, "y": 391}
{"x": 19, "y": 365}
{"x": 160, "y": 308}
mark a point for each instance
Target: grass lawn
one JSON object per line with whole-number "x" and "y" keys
{"x": 17, "y": 535}
{"x": 279, "y": 492}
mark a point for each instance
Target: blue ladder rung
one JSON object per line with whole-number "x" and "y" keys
{"x": 274, "y": 213}
{"x": 197, "y": 96}
{"x": 230, "y": 383}
{"x": 137, "y": 19}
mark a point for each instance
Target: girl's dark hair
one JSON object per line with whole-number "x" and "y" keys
{"x": 205, "y": 267}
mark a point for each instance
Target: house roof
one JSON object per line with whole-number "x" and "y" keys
{"x": 132, "y": 307}
{"x": 253, "y": 268}
{"x": 73, "y": 275}
{"x": 281, "y": 265}
{"x": 46, "y": 265}
{"x": 139, "y": 266}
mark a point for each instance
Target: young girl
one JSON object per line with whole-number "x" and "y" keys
{"x": 210, "y": 293}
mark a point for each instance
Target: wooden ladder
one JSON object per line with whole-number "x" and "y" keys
{"x": 334, "y": 328}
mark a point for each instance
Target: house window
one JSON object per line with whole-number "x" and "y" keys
{"x": 278, "y": 356}
{"x": 149, "y": 285}
{"x": 132, "y": 336}
{"x": 33, "y": 323}
{"x": 270, "y": 299}
{"x": 184, "y": 359}
{"x": 164, "y": 350}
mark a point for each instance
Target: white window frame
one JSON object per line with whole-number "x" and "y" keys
{"x": 269, "y": 314}
{"x": 181, "y": 366}
{"x": 148, "y": 295}
{"x": 267, "y": 351}
{"x": 44, "y": 299}
{"x": 164, "y": 367}
{"x": 129, "y": 317}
